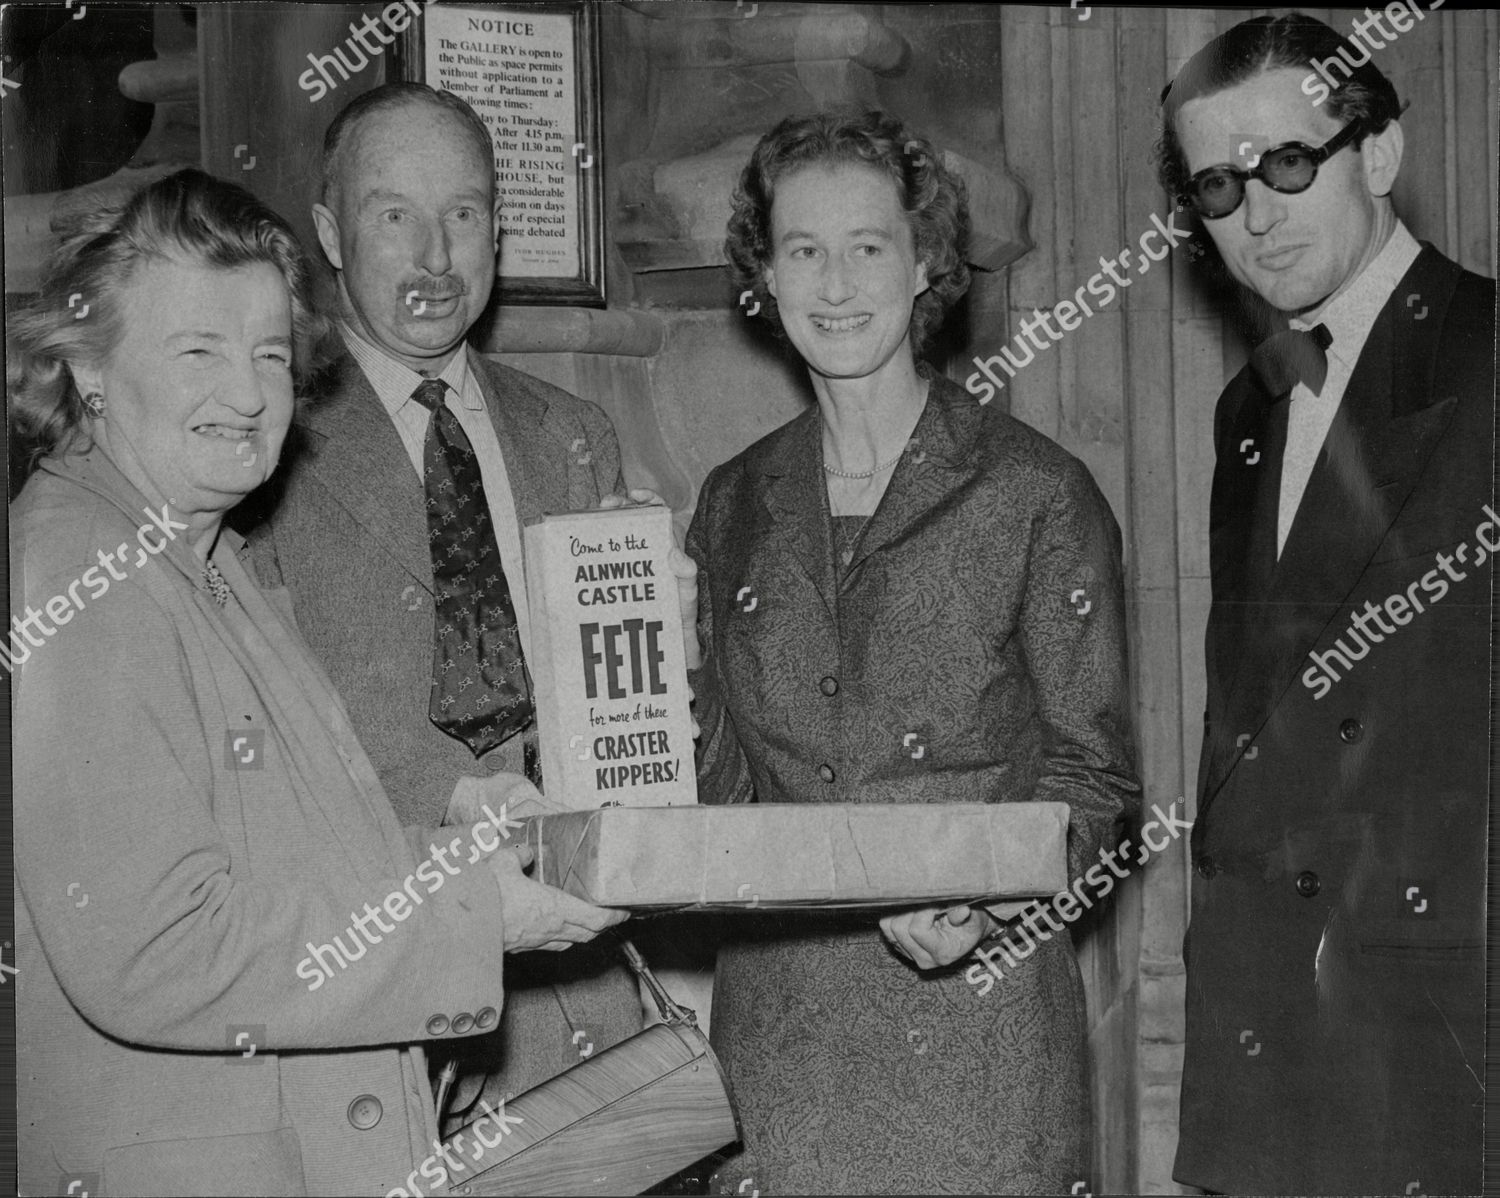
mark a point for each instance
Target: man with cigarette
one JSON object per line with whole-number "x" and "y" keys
{"x": 1335, "y": 954}
{"x": 396, "y": 522}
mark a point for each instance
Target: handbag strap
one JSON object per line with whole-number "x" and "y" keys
{"x": 672, "y": 1013}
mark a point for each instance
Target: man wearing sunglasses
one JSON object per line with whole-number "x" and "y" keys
{"x": 1335, "y": 955}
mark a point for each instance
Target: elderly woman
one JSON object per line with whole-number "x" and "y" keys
{"x": 917, "y": 637}
{"x": 229, "y": 953}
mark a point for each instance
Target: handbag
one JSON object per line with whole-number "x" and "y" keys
{"x": 616, "y": 1123}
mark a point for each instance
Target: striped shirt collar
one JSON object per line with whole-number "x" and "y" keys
{"x": 394, "y": 382}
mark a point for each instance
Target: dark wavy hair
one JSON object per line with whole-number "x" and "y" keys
{"x": 1268, "y": 44}
{"x": 188, "y": 216}
{"x": 933, "y": 197}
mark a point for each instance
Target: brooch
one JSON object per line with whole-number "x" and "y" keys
{"x": 216, "y": 585}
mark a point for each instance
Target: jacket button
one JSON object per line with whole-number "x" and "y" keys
{"x": 1308, "y": 883}
{"x": 437, "y": 1025}
{"x": 1206, "y": 866}
{"x": 462, "y": 1023}
{"x": 829, "y": 685}
{"x": 485, "y": 1018}
{"x": 365, "y": 1112}
{"x": 826, "y": 773}
{"x": 1350, "y": 731}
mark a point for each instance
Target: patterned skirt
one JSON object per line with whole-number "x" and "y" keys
{"x": 855, "y": 1073}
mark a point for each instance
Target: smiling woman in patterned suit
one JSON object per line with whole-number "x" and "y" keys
{"x": 912, "y": 554}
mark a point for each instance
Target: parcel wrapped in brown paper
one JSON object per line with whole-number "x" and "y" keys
{"x": 779, "y": 855}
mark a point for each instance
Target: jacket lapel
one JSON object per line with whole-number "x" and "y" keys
{"x": 1243, "y": 511}
{"x": 260, "y": 622}
{"x": 354, "y": 451}
{"x": 793, "y": 515}
{"x": 939, "y": 458}
{"x": 1377, "y": 448}
{"x": 532, "y": 442}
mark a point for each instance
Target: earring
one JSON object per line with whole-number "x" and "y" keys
{"x": 94, "y": 402}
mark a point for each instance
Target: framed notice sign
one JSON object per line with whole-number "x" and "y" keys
{"x": 532, "y": 74}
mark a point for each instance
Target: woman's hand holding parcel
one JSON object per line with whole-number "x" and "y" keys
{"x": 931, "y": 937}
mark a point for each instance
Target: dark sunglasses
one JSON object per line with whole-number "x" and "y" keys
{"x": 1216, "y": 191}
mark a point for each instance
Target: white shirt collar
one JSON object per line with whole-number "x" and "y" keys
{"x": 1351, "y": 315}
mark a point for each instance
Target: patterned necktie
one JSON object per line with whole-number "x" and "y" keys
{"x": 480, "y": 689}
{"x": 1292, "y": 356}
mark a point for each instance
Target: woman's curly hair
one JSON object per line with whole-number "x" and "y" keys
{"x": 933, "y": 198}
{"x": 77, "y": 315}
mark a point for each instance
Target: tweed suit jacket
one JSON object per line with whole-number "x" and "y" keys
{"x": 343, "y": 527}
{"x": 166, "y": 892}
{"x": 1335, "y": 953}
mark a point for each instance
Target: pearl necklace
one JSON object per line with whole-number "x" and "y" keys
{"x": 885, "y": 465}
{"x": 865, "y": 473}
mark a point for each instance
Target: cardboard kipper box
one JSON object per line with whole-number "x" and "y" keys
{"x": 607, "y": 662}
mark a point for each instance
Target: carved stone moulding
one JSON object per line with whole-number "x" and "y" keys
{"x": 34, "y": 224}
{"x": 737, "y": 77}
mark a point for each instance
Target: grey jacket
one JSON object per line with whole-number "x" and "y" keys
{"x": 343, "y": 528}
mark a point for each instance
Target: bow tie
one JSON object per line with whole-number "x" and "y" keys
{"x": 1285, "y": 359}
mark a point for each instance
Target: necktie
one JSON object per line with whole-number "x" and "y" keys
{"x": 481, "y": 693}
{"x": 1286, "y": 358}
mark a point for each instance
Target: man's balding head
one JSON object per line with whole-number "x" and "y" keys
{"x": 362, "y": 109}
{"x": 409, "y": 220}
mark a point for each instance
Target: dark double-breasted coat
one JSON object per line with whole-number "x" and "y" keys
{"x": 1335, "y": 980}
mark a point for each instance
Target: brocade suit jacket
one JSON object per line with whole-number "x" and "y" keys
{"x": 343, "y": 526}
{"x": 1335, "y": 954}
{"x": 973, "y": 651}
